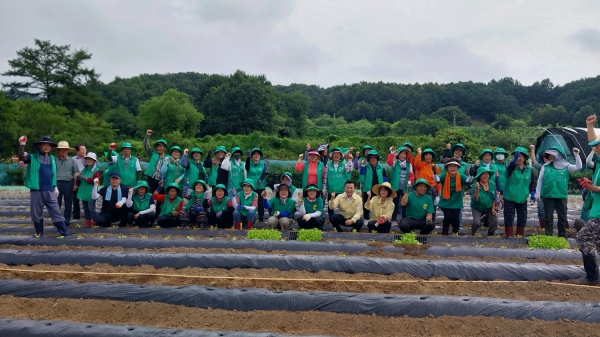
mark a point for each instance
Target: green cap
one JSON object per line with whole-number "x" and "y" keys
{"x": 523, "y": 151}
{"x": 221, "y": 186}
{"x": 161, "y": 141}
{"x": 256, "y": 149}
{"x": 196, "y": 150}
{"x": 288, "y": 174}
{"x": 126, "y": 145}
{"x": 220, "y": 148}
{"x": 427, "y": 150}
{"x": 311, "y": 188}
{"x": 369, "y": 147}
{"x": 200, "y": 182}
{"x": 335, "y": 149}
{"x": 484, "y": 151}
{"x": 458, "y": 145}
{"x": 421, "y": 181}
{"x": 236, "y": 149}
{"x": 142, "y": 183}
{"x": 500, "y": 150}
{"x": 481, "y": 170}
{"x": 408, "y": 144}
{"x": 172, "y": 185}
{"x": 401, "y": 149}
{"x": 175, "y": 148}
{"x": 373, "y": 153}
{"x": 345, "y": 150}
{"x": 249, "y": 182}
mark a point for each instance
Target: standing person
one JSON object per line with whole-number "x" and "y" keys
{"x": 313, "y": 170}
{"x": 337, "y": 172}
{"x": 142, "y": 209}
{"x": 257, "y": 170}
{"x": 194, "y": 211}
{"x": 172, "y": 170}
{"x": 246, "y": 206}
{"x": 79, "y": 157}
{"x": 172, "y": 205}
{"x": 371, "y": 174}
{"x": 553, "y": 184}
{"x": 588, "y": 238}
{"x": 221, "y": 208}
{"x": 41, "y": 180}
{"x": 66, "y": 169}
{"x": 419, "y": 209}
{"x": 401, "y": 177}
{"x": 127, "y": 165}
{"x": 459, "y": 152}
{"x": 155, "y": 164}
{"x": 362, "y": 155}
{"x": 540, "y": 201}
{"x": 237, "y": 171}
{"x": 310, "y": 209}
{"x": 381, "y": 207}
{"x": 485, "y": 160}
{"x": 350, "y": 209}
{"x": 451, "y": 201}
{"x": 425, "y": 169}
{"x": 86, "y": 179}
{"x": 216, "y": 174}
{"x": 483, "y": 198}
{"x": 281, "y": 209}
{"x": 520, "y": 184}
{"x": 410, "y": 148}
{"x": 114, "y": 208}
{"x": 500, "y": 161}
{"x": 194, "y": 168}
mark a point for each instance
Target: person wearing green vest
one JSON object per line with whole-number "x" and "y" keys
{"x": 86, "y": 180}
{"x": 520, "y": 184}
{"x": 213, "y": 163}
{"x": 381, "y": 207}
{"x": 483, "y": 199}
{"x": 310, "y": 209}
{"x": 127, "y": 165}
{"x": 109, "y": 168}
{"x": 419, "y": 209}
{"x": 313, "y": 170}
{"x": 540, "y": 201}
{"x": 142, "y": 209}
{"x": 171, "y": 206}
{"x": 451, "y": 201}
{"x": 360, "y": 156}
{"x": 281, "y": 208}
{"x": 172, "y": 170}
{"x": 371, "y": 173}
{"x": 337, "y": 172}
{"x": 221, "y": 208}
{"x": 459, "y": 152}
{"x": 194, "y": 211}
{"x": 588, "y": 237}
{"x": 500, "y": 156}
{"x": 157, "y": 157}
{"x": 410, "y": 148}
{"x": 401, "y": 177}
{"x": 194, "y": 168}
{"x": 237, "y": 171}
{"x": 485, "y": 160}
{"x": 286, "y": 178}
{"x": 40, "y": 178}
{"x": 246, "y": 204}
{"x": 257, "y": 170}
{"x": 553, "y": 185}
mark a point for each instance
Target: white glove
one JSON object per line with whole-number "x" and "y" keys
{"x": 119, "y": 204}
{"x": 131, "y": 191}
{"x": 56, "y": 191}
{"x": 306, "y": 217}
{"x": 276, "y": 213}
{"x": 409, "y": 185}
{"x": 324, "y": 190}
{"x": 436, "y": 201}
{"x": 391, "y": 149}
{"x": 575, "y": 151}
{"x": 96, "y": 181}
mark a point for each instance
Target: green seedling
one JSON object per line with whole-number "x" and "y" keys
{"x": 60, "y": 237}
{"x": 478, "y": 245}
{"x": 263, "y": 234}
{"x": 79, "y": 237}
{"x": 144, "y": 237}
{"x": 190, "y": 237}
{"x": 547, "y": 242}
{"x": 101, "y": 236}
{"x": 354, "y": 230}
{"x": 122, "y": 236}
{"x": 503, "y": 247}
{"x": 77, "y": 225}
{"x": 168, "y": 237}
{"x": 233, "y": 238}
{"x": 308, "y": 235}
{"x": 448, "y": 245}
{"x": 407, "y": 239}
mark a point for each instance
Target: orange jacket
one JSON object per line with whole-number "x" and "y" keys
{"x": 425, "y": 171}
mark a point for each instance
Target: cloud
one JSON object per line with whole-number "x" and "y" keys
{"x": 245, "y": 12}
{"x": 587, "y": 39}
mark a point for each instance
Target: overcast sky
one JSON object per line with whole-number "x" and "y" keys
{"x": 317, "y": 41}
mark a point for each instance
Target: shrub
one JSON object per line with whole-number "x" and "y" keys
{"x": 407, "y": 239}
{"x": 15, "y": 177}
{"x": 314, "y": 234}
{"x": 547, "y": 242}
{"x": 263, "y": 234}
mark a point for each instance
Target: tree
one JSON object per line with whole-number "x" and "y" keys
{"x": 54, "y": 73}
{"x": 170, "y": 112}
{"x": 294, "y": 107}
{"x": 581, "y": 115}
{"x": 502, "y": 122}
{"x": 549, "y": 115}
{"x": 453, "y": 114}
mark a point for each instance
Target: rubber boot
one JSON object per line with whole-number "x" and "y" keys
{"x": 521, "y": 231}
{"x": 592, "y": 274}
{"x": 88, "y": 223}
{"x": 39, "y": 228}
{"x": 94, "y": 223}
{"x": 238, "y": 225}
{"x": 445, "y": 229}
{"x": 250, "y": 225}
{"x": 62, "y": 228}
{"x": 474, "y": 229}
{"x": 508, "y": 230}
{"x": 542, "y": 223}
{"x": 567, "y": 224}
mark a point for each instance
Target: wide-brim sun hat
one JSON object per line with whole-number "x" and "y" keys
{"x": 63, "y": 145}
{"x": 47, "y": 140}
{"x": 387, "y": 185}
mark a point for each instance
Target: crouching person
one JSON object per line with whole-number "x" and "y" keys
{"x": 171, "y": 206}
{"x": 221, "y": 208}
{"x": 246, "y": 206}
{"x": 381, "y": 207}
{"x": 419, "y": 209}
{"x": 310, "y": 209}
{"x": 114, "y": 197}
{"x": 350, "y": 209}
{"x": 483, "y": 201}
{"x": 142, "y": 209}
{"x": 281, "y": 208}
{"x": 194, "y": 211}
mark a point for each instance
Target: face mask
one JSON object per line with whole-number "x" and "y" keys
{"x": 236, "y": 156}
{"x": 500, "y": 156}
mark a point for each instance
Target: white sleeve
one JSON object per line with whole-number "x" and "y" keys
{"x": 578, "y": 165}
{"x": 95, "y": 194}
{"x": 315, "y": 214}
{"x": 540, "y": 182}
{"x": 226, "y": 164}
{"x": 150, "y": 210}
{"x": 469, "y": 179}
{"x": 589, "y": 161}
{"x": 138, "y": 168}
{"x": 129, "y": 202}
{"x": 436, "y": 178}
{"x": 301, "y": 210}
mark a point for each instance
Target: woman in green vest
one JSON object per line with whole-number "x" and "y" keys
{"x": 84, "y": 193}
{"x": 281, "y": 209}
{"x": 310, "y": 209}
{"x": 172, "y": 170}
{"x": 194, "y": 168}
{"x": 194, "y": 211}
{"x": 553, "y": 185}
{"x": 520, "y": 184}
{"x": 500, "y": 161}
{"x": 401, "y": 177}
{"x": 246, "y": 204}
{"x": 312, "y": 170}
{"x": 459, "y": 152}
{"x": 157, "y": 155}
{"x": 142, "y": 209}
{"x": 257, "y": 170}
{"x": 109, "y": 168}
{"x": 483, "y": 199}
{"x": 216, "y": 174}
{"x": 221, "y": 208}
{"x": 286, "y": 178}
{"x": 338, "y": 171}
{"x": 361, "y": 156}
{"x": 171, "y": 206}
{"x": 451, "y": 201}
{"x": 237, "y": 171}
{"x": 371, "y": 173}
{"x": 127, "y": 165}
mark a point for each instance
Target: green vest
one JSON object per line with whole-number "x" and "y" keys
{"x": 256, "y": 171}
{"x": 141, "y": 204}
{"x": 368, "y": 177}
{"x": 320, "y": 168}
{"x": 314, "y": 206}
{"x": 594, "y": 212}
{"x": 517, "y": 185}
{"x": 212, "y": 175}
{"x": 336, "y": 178}
{"x": 463, "y": 167}
{"x": 174, "y": 172}
{"x": 486, "y": 198}
{"x": 192, "y": 173}
{"x": 193, "y": 197}
{"x": 237, "y": 175}
{"x": 246, "y": 201}
{"x": 152, "y": 163}
{"x": 556, "y": 182}
{"x": 277, "y": 206}
{"x": 456, "y": 198}
{"x": 219, "y": 206}
{"x": 501, "y": 176}
{"x": 127, "y": 172}
{"x": 169, "y": 207}
{"x": 395, "y": 176}
{"x": 32, "y": 175}
{"x": 84, "y": 192}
